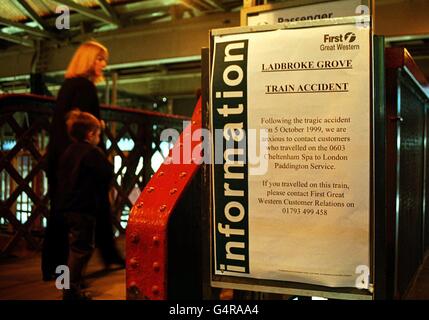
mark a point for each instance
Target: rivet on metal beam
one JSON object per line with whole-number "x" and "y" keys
{"x": 161, "y": 174}
{"x": 155, "y": 240}
{"x": 182, "y": 174}
{"x": 162, "y": 208}
{"x": 156, "y": 266}
{"x": 155, "y": 290}
{"x": 194, "y": 122}
{"x": 139, "y": 205}
{"x": 134, "y": 263}
{"x": 135, "y": 238}
{"x": 133, "y": 290}
{"x": 151, "y": 189}
{"x": 173, "y": 191}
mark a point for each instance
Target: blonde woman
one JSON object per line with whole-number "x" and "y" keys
{"x": 78, "y": 91}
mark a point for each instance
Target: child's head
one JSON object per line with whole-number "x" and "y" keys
{"x": 83, "y": 126}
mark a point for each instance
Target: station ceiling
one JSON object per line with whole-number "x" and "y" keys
{"x": 25, "y": 20}
{"x": 25, "y": 23}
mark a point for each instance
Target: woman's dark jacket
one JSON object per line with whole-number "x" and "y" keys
{"x": 78, "y": 93}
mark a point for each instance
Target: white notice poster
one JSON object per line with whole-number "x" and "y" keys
{"x": 303, "y": 214}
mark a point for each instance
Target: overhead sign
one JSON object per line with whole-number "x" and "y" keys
{"x": 333, "y": 9}
{"x": 303, "y": 215}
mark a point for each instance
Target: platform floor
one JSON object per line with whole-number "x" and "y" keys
{"x": 20, "y": 279}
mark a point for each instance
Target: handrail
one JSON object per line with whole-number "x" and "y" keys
{"x": 147, "y": 230}
{"x": 400, "y": 57}
{"x": 12, "y": 97}
{"x": 24, "y": 128}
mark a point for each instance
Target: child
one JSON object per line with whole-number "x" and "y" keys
{"x": 83, "y": 168}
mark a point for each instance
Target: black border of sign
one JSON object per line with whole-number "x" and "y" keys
{"x": 376, "y": 197}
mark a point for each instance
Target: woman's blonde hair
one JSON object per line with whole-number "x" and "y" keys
{"x": 82, "y": 63}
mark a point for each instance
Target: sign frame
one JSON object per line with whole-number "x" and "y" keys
{"x": 295, "y": 288}
{"x": 265, "y": 8}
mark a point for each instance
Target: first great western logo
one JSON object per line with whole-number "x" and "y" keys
{"x": 339, "y": 42}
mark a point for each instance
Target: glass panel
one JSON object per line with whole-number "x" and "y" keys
{"x": 7, "y": 185}
{"x": 108, "y": 144}
{"x": 21, "y": 118}
{"x": 44, "y": 222}
{"x": 42, "y": 140}
{"x": 126, "y": 143}
{"x": 165, "y": 148}
{"x": 139, "y": 166}
{"x": 25, "y": 163}
{"x": 134, "y": 194}
{"x": 24, "y": 206}
{"x": 117, "y": 163}
{"x": 156, "y": 161}
{"x": 7, "y": 137}
{"x": 125, "y": 216}
{"x": 4, "y": 224}
{"x": 44, "y": 184}
{"x": 7, "y": 145}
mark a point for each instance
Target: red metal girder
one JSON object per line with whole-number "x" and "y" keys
{"x": 146, "y": 235}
